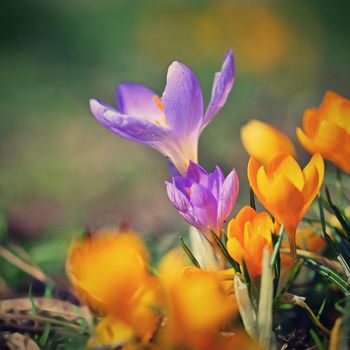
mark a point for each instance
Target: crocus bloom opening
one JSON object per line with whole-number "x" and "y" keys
{"x": 247, "y": 235}
{"x": 108, "y": 271}
{"x": 286, "y": 190}
{"x": 204, "y": 200}
{"x": 327, "y": 130}
{"x": 172, "y": 123}
{"x": 263, "y": 142}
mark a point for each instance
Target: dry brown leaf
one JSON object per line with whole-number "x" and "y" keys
{"x": 54, "y": 307}
{"x": 17, "y": 341}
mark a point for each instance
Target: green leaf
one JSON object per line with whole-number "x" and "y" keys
{"x": 329, "y": 273}
{"x": 252, "y": 198}
{"x": 291, "y": 278}
{"x": 44, "y": 337}
{"x": 188, "y": 252}
{"x": 224, "y": 251}
{"x": 342, "y": 220}
{"x": 340, "y": 257}
{"x": 277, "y": 246}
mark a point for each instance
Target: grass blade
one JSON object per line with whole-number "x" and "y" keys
{"x": 189, "y": 253}
{"x": 224, "y": 251}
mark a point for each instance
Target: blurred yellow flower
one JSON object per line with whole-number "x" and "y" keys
{"x": 263, "y": 142}
{"x": 108, "y": 271}
{"x": 286, "y": 190}
{"x": 327, "y": 130}
{"x": 110, "y": 332}
{"x": 247, "y": 235}
{"x": 197, "y": 305}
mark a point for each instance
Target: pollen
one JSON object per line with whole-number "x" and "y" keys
{"x": 158, "y": 102}
{"x": 162, "y": 121}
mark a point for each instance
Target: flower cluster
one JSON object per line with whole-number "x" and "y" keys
{"x": 184, "y": 302}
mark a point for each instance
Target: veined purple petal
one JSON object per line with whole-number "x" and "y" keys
{"x": 215, "y": 181}
{"x": 228, "y": 196}
{"x": 204, "y": 206}
{"x": 183, "y": 101}
{"x": 196, "y": 174}
{"x": 137, "y": 100}
{"x": 132, "y": 128}
{"x": 222, "y": 85}
{"x": 177, "y": 198}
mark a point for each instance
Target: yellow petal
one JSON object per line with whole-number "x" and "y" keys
{"x": 282, "y": 199}
{"x": 252, "y": 171}
{"x": 263, "y": 142}
{"x": 235, "y": 249}
{"x": 285, "y": 165}
{"x": 313, "y": 174}
{"x": 110, "y": 332}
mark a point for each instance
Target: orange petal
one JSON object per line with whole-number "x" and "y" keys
{"x": 263, "y": 226}
{"x": 234, "y": 230}
{"x": 306, "y": 141}
{"x": 311, "y": 121}
{"x": 282, "y": 199}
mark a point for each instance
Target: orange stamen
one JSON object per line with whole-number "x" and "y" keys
{"x": 158, "y": 102}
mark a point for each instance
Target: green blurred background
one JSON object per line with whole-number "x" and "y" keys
{"x": 60, "y": 171}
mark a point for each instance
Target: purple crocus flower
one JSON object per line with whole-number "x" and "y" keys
{"x": 172, "y": 123}
{"x": 204, "y": 200}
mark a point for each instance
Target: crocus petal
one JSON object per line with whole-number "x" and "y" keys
{"x": 195, "y": 173}
{"x": 222, "y": 85}
{"x": 228, "y": 196}
{"x": 132, "y": 128}
{"x": 177, "y": 198}
{"x": 313, "y": 173}
{"x": 215, "y": 181}
{"x": 263, "y": 141}
{"x": 138, "y": 101}
{"x": 285, "y": 165}
{"x": 245, "y": 214}
{"x": 204, "y": 206}
{"x": 183, "y": 101}
{"x": 235, "y": 249}
{"x": 281, "y": 197}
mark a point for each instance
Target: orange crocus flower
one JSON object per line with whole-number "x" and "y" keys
{"x": 108, "y": 270}
{"x": 286, "y": 190}
{"x": 197, "y": 304}
{"x": 247, "y": 235}
{"x": 327, "y": 130}
{"x": 263, "y": 142}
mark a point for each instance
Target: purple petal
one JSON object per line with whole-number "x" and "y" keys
{"x": 183, "y": 101}
{"x": 215, "y": 181}
{"x": 196, "y": 174}
{"x": 132, "y": 128}
{"x": 138, "y": 101}
{"x": 228, "y": 196}
{"x": 172, "y": 169}
{"x": 177, "y": 198}
{"x": 204, "y": 206}
{"x": 222, "y": 85}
